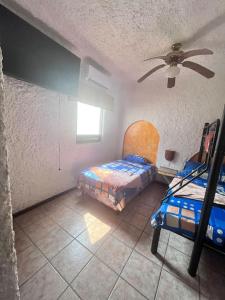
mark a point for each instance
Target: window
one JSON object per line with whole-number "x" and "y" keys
{"x": 89, "y": 123}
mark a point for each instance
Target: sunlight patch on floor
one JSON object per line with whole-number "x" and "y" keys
{"x": 96, "y": 231}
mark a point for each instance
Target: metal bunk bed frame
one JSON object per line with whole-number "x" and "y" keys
{"x": 204, "y": 167}
{"x": 215, "y": 159}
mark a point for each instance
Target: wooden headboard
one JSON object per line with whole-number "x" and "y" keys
{"x": 141, "y": 138}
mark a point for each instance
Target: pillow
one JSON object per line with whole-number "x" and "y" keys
{"x": 191, "y": 165}
{"x": 136, "y": 159}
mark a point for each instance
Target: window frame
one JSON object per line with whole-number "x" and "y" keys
{"x": 90, "y": 138}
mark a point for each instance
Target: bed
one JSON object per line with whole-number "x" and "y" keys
{"x": 116, "y": 183}
{"x": 181, "y": 212}
{"x": 194, "y": 205}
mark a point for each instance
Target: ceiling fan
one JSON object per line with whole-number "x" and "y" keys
{"x": 176, "y": 57}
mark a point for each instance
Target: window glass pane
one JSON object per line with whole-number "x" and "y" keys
{"x": 88, "y": 119}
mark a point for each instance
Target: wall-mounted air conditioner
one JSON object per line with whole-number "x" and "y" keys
{"x": 98, "y": 77}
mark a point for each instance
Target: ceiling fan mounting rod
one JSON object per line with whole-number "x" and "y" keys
{"x": 176, "y": 46}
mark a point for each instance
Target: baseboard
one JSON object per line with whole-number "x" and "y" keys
{"x": 42, "y": 202}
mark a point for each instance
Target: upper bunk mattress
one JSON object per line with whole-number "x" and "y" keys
{"x": 117, "y": 182}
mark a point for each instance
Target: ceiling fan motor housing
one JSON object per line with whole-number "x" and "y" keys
{"x": 174, "y": 58}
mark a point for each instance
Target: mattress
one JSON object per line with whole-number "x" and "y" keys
{"x": 117, "y": 182}
{"x": 182, "y": 215}
{"x": 196, "y": 190}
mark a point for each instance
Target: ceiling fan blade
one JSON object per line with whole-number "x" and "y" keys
{"x": 150, "y": 72}
{"x": 156, "y": 57}
{"x": 198, "y": 68}
{"x": 171, "y": 82}
{"x": 195, "y": 53}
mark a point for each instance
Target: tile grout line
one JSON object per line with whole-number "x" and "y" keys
{"x": 21, "y": 285}
{"x": 55, "y": 221}
{"x": 174, "y": 275}
{"x": 34, "y": 243}
{"x": 65, "y": 291}
{"x": 93, "y": 254}
{"x": 125, "y": 265}
{"x": 179, "y": 278}
{"x": 74, "y": 238}
{"x": 63, "y": 227}
{"x": 148, "y": 257}
{"x": 189, "y": 257}
{"x": 48, "y": 260}
{"x": 161, "y": 270}
{"x": 133, "y": 249}
{"x": 70, "y": 284}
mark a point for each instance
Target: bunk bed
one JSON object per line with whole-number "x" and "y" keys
{"x": 194, "y": 204}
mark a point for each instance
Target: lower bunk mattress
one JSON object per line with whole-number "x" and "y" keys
{"x": 117, "y": 182}
{"x": 182, "y": 215}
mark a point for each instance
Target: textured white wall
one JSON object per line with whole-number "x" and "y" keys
{"x": 8, "y": 272}
{"x": 33, "y": 132}
{"x": 179, "y": 113}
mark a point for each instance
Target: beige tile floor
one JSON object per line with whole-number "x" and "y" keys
{"x": 76, "y": 248}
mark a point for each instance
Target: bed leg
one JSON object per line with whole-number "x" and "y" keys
{"x": 195, "y": 258}
{"x": 155, "y": 240}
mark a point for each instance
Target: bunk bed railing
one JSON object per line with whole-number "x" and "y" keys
{"x": 213, "y": 128}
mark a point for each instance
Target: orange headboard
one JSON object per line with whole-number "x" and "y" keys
{"x": 141, "y": 138}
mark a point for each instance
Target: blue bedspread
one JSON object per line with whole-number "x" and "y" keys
{"x": 115, "y": 183}
{"x": 182, "y": 215}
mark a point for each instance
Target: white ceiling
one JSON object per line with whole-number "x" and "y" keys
{"x": 121, "y": 33}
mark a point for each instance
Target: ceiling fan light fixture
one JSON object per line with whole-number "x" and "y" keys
{"x": 175, "y": 57}
{"x": 172, "y": 71}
